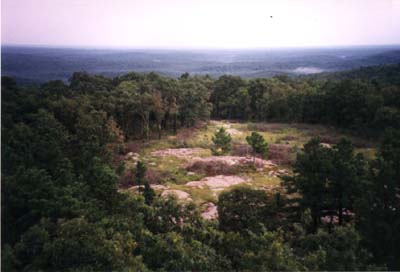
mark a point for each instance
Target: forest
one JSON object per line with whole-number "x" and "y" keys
{"x": 65, "y": 207}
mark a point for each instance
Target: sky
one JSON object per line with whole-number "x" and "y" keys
{"x": 200, "y": 23}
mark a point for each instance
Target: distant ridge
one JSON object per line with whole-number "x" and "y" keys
{"x": 31, "y": 65}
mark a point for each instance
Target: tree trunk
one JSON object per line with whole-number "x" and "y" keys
{"x": 146, "y": 127}
{"x": 175, "y": 129}
{"x": 159, "y": 130}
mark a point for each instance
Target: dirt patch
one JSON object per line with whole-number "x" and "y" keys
{"x": 278, "y": 173}
{"x": 181, "y": 195}
{"x": 233, "y": 131}
{"x": 212, "y": 168}
{"x": 156, "y": 177}
{"x": 235, "y": 160}
{"x": 127, "y": 179}
{"x": 185, "y": 134}
{"x": 217, "y": 182}
{"x": 281, "y": 154}
{"x": 219, "y": 124}
{"x": 289, "y": 138}
{"x": 242, "y": 150}
{"x": 185, "y": 153}
{"x": 226, "y": 164}
{"x": 273, "y": 127}
{"x": 134, "y": 146}
{"x": 227, "y": 126}
{"x": 210, "y": 212}
{"x": 153, "y": 177}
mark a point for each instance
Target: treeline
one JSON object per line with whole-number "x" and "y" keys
{"x": 382, "y": 75}
{"x": 361, "y": 102}
{"x": 138, "y": 103}
{"x": 61, "y": 208}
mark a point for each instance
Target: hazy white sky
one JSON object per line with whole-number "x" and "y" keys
{"x": 200, "y": 23}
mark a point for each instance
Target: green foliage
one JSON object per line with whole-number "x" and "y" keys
{"x": 29, "y": 195}
{"x": 366, "y": 104}
{"x": 148, "y": 194}
{"x": 167, "y": 212}
{"x": 258, "y": 144}
{"x": 328, "y": 180}
{"x": 62, "y": 211}
{"x": 265, "y": 251}
{"x": 338, "y": 250}
{"x": 82, "y": 82}
{"x": 345, "y": 184}
{"x": 140, "y": 173}
{"x": 222, "y": 142}
{"x": 389, "y": 150}
{"x": 87, "y": 246}
{"x": 171, "y": 252}
{"x": 228, "y": 97}
{"x": 7, "y": 258}
{"x": 41, "y": 142}
{"x": 101, "y": 182}
{"x": 378, "y": 210}
{"x": 29, "y": 250}
{"x": 243, "y": 209}
{"x": 312, "y": 170}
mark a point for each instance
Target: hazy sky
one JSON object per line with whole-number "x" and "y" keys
{"x": 200, "y": 23}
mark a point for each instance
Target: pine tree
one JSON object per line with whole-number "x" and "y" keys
{"x": 222, "y": 142}
{"x": 258, "y": 144}
{"x": 140, "y": 172}
{"x": 312, "y": 170}
{"x": 148, "y": 193}
{"x": 345, "y": 179}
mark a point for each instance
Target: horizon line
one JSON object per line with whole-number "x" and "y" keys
{"x": 110, "y": 47}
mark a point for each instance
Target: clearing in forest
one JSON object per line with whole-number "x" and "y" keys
{"x": 182, "y": 165}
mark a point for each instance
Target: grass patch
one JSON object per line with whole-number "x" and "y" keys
{"x": 173, "y": 169}
{"x": 368, "y": 153}
{"x": 198, "y": 195}
{"x": 261, "y": 179}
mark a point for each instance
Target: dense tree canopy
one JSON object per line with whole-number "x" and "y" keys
{"x": 358, "y": 102}
{"x": 62, "y": 210}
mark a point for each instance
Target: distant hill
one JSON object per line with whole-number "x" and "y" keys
{"x": 39, "y": 64}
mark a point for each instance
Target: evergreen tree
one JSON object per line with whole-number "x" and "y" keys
{"x": 148, "y": 193}
{"x": 258, "y": 144}
{"x": 243, "y": 209}
{"x": 348, "y": 170}
{"x": 378, "y": 211}
{"x": 222, "y": 142}
{"x": 140, "y": 173}
{"x": 312, "y": 172}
